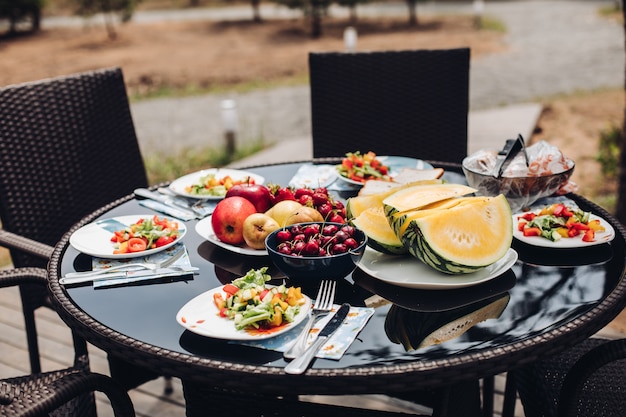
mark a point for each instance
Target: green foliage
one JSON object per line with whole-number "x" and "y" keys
{"x": 609, "y": 151}
{"x": 165, "y": 168}
{"x": 124, "y": 7}
{"x": 18, "y": 10}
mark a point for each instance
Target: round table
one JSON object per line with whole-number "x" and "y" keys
{"x": 553, "y": 298}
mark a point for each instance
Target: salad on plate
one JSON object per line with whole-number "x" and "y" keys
{"x": 251, "y": 304}
{"x": 558, "y": 221}
{"x": 360, "y": 168}
{"x": 145, "y": 234}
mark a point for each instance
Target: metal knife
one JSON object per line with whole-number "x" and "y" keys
{"x": 129, "y": 274}
{"x": 167, "y": 200}
{"x": 300, "y": 364}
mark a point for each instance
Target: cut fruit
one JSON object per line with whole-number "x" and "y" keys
{"x": 461, "y": 239}
{"x": 419, "y": 196}
{"x": 380, "y": 235}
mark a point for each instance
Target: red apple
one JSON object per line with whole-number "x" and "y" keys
{"x": 228, "y": 217}
{"x": 257, "y": 194}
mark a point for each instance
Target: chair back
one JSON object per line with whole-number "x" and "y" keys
{"x": 67, "y": 147}
{"x": 411, "y": 103}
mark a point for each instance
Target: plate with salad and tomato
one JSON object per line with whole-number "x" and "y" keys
{"x": 212, "y": 184}
{"x": 245, "y": 309}
{"x": 357, "y": 168}
{"x": 560, "y": 225}
{"x": 129, "y": 236}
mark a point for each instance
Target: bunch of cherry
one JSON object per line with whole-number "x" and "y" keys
{"x": 315, "y": 239}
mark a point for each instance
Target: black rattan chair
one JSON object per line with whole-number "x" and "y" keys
{"x": 409, "y": 103}
{"x": 66, "y": 392}
{"x": 587, "y": 380}
{"x": 67, "y": 147}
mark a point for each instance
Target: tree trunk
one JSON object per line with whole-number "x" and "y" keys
{"x": 413, "y": 13}
{"x": 256, "y": 11}
{"x": 620, "y": 210}
{"x": 353, "y": 15}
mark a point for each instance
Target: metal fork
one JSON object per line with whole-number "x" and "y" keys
{"x": 71, "y": 277}
{"x": 323, "y": 305}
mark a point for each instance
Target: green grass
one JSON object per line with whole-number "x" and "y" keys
{"x": 240, "y": 88}
{"x": 165, "y": 168}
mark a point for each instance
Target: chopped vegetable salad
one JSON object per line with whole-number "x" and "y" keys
{"x": 145, "y": 234}
{"x": 251, "y": 304}
{"x": 212, "y": 185}
{"x": 557, "y": 221}
{"x": 361, "y": 168}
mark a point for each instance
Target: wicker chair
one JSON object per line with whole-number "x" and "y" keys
{"x": 409, "y": 103}
{"x": 67, "y": 147}
{"x": 66, "y": 392}
{"x": 587, "y": 380}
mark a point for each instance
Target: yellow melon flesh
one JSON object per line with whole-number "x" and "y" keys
{"x": 419, "y": 196}
{"x": 476, "y": 234}
{"x": 380, "y": 235}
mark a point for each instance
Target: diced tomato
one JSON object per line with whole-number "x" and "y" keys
{"x": 572, "y": 231}
{"x": 223, "y": 312}
{"x": 532, "y": 231}
{"x": 136, "y": 244}
{"x": 521, "y": 225}
{"x": 528, "y": 216}
{"x": 230, "y": 289}
{"x": 579, "y": 226}
{"x": 589, "y": 235}
{"x": 218, "y": 300}
{"x": 263, "y": 293}
{"x": 164, "y": 240}
{"x": 383, "y": 170}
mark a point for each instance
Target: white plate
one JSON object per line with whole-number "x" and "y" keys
{"x": 200, "y": 316}
{"x": 395, "y": 164}
{"x": 574, "y": 242}
{"x": 410, "y": 272}
{"x": 205, "y": 229}
{"x": 95, "y": 238}
{"x": 178, "y": 185}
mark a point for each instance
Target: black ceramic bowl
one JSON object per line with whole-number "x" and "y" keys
{"x": 317, "y": 267}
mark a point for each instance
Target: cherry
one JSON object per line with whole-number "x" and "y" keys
{"x": 330, "y": 230}
{"x": 341, "y": 236}
{"x": 351, "y": 243}
{"x": 283, "y": 235}
{"x": 311, "y": 248}
{"x": 298, "y": 247}
{"x": 339, "y": 248}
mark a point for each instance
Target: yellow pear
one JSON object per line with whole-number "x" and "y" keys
{"x": 304, "y": 214}
{"x": 282, "y": 210}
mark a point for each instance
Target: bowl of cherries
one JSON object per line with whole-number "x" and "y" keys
{"x": 318, "y": 250}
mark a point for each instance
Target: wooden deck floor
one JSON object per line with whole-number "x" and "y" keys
{"x": 149, "y": 401}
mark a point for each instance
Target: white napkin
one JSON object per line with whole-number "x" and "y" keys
{"x": 103, "y": 263}
{"x": 335, "y": 346}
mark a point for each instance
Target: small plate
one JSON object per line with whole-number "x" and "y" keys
{"x": 95, "y": 238}
{"x": 410, "y": 272}
{"x": 395, "y": 164}
{"x": 205, "y": 229}
{"x": 573, "y": 242}
{"x": 200, "y": 316}
{"x": 178, "y": 185}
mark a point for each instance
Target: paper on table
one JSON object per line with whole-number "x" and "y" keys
{"x": 313, "y": 176}
{"x": 334, "y": 348}
{"x": 102, "y": 263}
